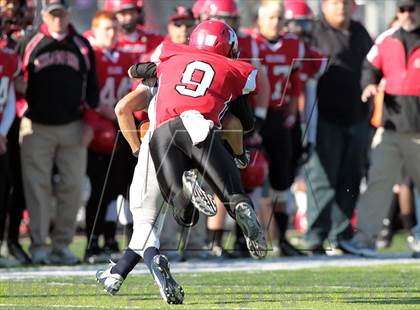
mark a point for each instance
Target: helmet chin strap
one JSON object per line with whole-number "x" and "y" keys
{"x": 231, "y": 54}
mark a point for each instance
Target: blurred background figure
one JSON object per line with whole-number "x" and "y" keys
{"x": 336, "y": 167}
{"x": 396, "y": 143}
{"x": 280, "y": 54}
{"x": 299, "y": 21}
{"x": 9, "y": 69}
{"x": 133, "y": 38}
{"x": 137, "y": 41}
{"x": 15, "y": 20}
{"x": 111, "y": 69}
{"x": 53, "y": 131}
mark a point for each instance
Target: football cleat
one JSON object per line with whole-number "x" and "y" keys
{"x": 252, "y": 230}
{"x": 202, "y": 201}
{"x": 170, "y": 291}
{"x": 110, "y": 282}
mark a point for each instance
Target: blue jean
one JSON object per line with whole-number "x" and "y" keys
{"x": 333, "y": 176}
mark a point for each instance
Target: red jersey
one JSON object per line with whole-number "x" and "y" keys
{"x": 282, "y": 61}
{"x": 245, "y": 44}
{"x": 138, "y": 43}
{"x": 88, "y": 34}
{"x": 111, "y": 69}
{"x": 193, "y": 79}
{"x": 9, "y": 69}
{"x": 313, "y": 65}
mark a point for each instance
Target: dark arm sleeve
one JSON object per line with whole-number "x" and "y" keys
{"x": 92, "y": 85}
{"x": 370, "y": 74}
{"x": 145, "y": 71}
{"x": 243, "y": 111}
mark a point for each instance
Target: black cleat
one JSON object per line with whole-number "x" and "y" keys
{"x": 15, "y": 249}
{"x": 202, "y": 201}
{"x": 287, "y": 249}
{"x": 252, "y": 230}
{"x": 170, "y": 291}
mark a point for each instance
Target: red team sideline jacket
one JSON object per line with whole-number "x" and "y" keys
{"x": 9, "y": 69}
{"x": 400, "y": 68}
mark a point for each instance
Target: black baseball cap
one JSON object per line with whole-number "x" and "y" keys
{"x": 181, "y": 13}
{"x": 404, "y": 3}
{"x": 50, "y": 5}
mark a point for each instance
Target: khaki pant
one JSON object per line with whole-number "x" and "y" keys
{"x": 42, "y": 147}
{"x": 390, "y": 152}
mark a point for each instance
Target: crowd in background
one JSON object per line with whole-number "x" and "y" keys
{"x": 333, "y": 115}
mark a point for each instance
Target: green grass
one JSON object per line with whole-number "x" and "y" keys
{"x": 379, "y": 287}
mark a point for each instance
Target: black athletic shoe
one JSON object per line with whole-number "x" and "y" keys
{"x": 111, "y": 250}
{"x": 95, "y": 255}
{"x": 385, "y": 235}
{"x": 170, "y": 291}
{"x": 202, "y": 201}
{"x": 287, "y": 249}
{"x": 15, "y": 249}
{"x": 252, "y": 230}
{"x": 316, "y": 250}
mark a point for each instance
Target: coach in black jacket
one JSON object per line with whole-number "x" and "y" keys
{"x": 336, "y": 168}
{"x": 59, "y": 67}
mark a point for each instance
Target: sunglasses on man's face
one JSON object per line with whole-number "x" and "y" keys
{"x": 187, "y": 23}
{"x": 409, "y": 9}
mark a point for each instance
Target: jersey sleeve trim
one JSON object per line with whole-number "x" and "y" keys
{"x": 251, "y": 82}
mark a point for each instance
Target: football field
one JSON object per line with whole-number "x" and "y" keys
{"x": 307, "y": 283}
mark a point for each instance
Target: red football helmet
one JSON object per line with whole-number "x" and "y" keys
{"x": 199, "y": 8}
{"x": 256, "y": 173}
{"x": 215, "y": 36}
{"x": 105, "y": 134}
{"x": 297, "y": 9}
{"x": 119, "y": 5}
{"x": 226, "y": 8}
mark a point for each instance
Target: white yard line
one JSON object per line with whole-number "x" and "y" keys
{"x": 247, "y": 265}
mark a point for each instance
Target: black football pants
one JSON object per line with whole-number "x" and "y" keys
{"x": 173, "y": 153}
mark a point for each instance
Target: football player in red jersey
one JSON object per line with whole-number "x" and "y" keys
{"x": 227, "y": 11}
{"x": 111, "y": 67}
{"x": 133, "y": 38}
{"x": 197, "y": 83}
{"x": 281, "y": 54}
{"x": 200, "y": 93}
{"x": 9, "y": 69}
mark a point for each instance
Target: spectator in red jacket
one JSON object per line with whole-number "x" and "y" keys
{"x": 395, "y": 57}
